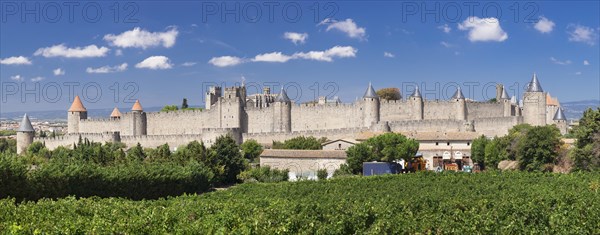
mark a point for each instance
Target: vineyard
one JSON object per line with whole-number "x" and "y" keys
{"x": 486, "y": 203}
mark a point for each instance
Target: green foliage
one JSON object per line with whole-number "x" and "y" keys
{"x": 388, "y": 147}
{"x": 322, "y": 174}
{"x": 586, "y": 154}
{"x": 226, "y": 160}
{"x": 136, "y": 153}
{"x": 539, "y": 147}
{"x": 421, "y": 203}
{"x": 35, "y": 147}
{"x": 478, "y": 149}
{"x": 7, "y": 132}
{"x": 300, "y": 142}
{"x": 251, "y": 150}
{"x": 390, "y": 93}
{"x": 264, "y": 174}
{"x": 8, "y": 145}
{"x": 493, "y": 100}
{"x": 169, "y": 108}
{"x": 505, "y": 147}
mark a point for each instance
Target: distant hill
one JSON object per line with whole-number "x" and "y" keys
{"x": 574, "y": 109}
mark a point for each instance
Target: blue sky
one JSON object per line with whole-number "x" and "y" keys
{"x": 160, "y": 52}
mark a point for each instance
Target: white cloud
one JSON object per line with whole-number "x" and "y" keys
{"x": 155, "y": 62}
{"x": 78, "y": 52}
{"x": 15, "y": 60}
{"x": 37, "y": 79}
{"x": 556, "y": 61}
{"x": 17, "y": 78}
{"x": 483, "y": 29}
{"x": 118, "y": 52}
{"x": 272, "y": 57}
{"x": 58, "y": 72}
{"x": 445, "y": 28}
{"x": 296, "y": 38}
{"x": 225, "y": 61}
{"x": 388, "y": 54}
{"x": 446, "y": 45}
{"x": 585, "y": 62}
{"x": 188, "y": 64}
{"x": 327, "y": 55}
{"x": 108, "y": 69}
{"x": 140, "y": 38}
{"x": 577, "y": 73}
{"x": 544, "y": 25}
{"x": 347, "y": 26}
{"x": 580, "y": 33}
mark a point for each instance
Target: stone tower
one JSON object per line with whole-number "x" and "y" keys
{"x": 460, "y": 104}
{"x": 138, "y": 118}
{"x": 24, "y": 135}
{"x": 116, "y": 114}
{"x": 561, "y": 121}
{"x": 212, "y": 96}
{"x": 505, "y": 100}
{"x": 230, "y": 108}
{"x": 416, "y": 101}
{"x": 371, "y": 107}
{"x": 534, "y": 103}
{"x": 74, "y": 115}
{"x": 282, "y": 113}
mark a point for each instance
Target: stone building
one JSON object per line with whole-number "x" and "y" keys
{"x": 267, "y": 117}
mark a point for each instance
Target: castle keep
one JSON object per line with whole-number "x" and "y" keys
{"x": 274, "y": 117}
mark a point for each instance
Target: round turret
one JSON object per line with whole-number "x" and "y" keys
{"x": 25, "y": 135}
{"x": 75, "y": 114}
{"x": 371, "y": 107}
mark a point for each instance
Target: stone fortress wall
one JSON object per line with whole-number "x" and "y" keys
{"x": 279, "y": 118}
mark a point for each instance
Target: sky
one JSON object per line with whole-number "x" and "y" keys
{"x": 112, "y": 53}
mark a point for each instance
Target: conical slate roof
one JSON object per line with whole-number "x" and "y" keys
{"x": 26, "y": 125}
{"x": 416, "y": 93}
{"x": 559, "y": 115}
{"x": 504, "y": 94}
{"x": 370, "y": 93}
{"x": 77, "y": 106}
{"x": 115, "y": 113}
{"x": 137, "y": 106}
{"x": 458, "y": 94}
{"x": 282, "y": 97}
{"x": 534, "y": 85}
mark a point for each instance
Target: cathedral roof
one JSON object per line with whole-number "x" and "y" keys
{"x": 370, "y": 93}
{"x": 137, "y": 106}
{"x": 504, "y": 94}
{"x": 416, "y": 93}
{"x": 534, "y": 85}
{"x": 115, "y": 113}
{"x": 458, "y": 94}
{"x": 282, "y": 97}
{"x": 77, "y": 106}
{"x": 559, "y": 115}
{"x": 26, "y": 125}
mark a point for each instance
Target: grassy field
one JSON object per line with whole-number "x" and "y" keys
{"x": 486, "y": 203}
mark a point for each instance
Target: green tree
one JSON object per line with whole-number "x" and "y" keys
{"x": 478, "y": 149}
{"x": 300, "y": 142}
{"x": 35, "y": 147}
{"x": 586, "y": 154}
{"x": 538, "y": 148}
{"x": 163, "y": 152}
{"x": 226, "y": 160}
{"x": 251, "y": 150}
{"x": 391, "y": 93}
{"x": 8, "y": 145}
{"x": 184, "y": 104}
{"x": 169, "y": 108}
{"x": 388, "y": 147}
{"x": 136, "y": 153}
